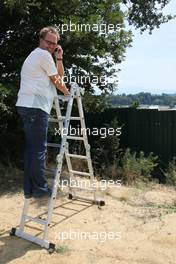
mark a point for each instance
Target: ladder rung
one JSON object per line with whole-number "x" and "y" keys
{"x": 55, "y": 120}
{"x": 84, "y": 198}
{"x": 75, "y": 138}
{"x": 97, "y": 201}
{"x": 65, "y": 98}
{"x": 60, "y": 118}
{"x": 83, "y": 188}
{"x": 54, "y": 145}
{"x": 77, "y": 156}
{"x": 75, "y": 118}
{"x": 80, "y": 173}
{"x": 50, "y": 170}
{"x": 34, "y": 239}
{"x": 35, "y": 219}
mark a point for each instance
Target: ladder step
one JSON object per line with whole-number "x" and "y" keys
{"x": 64, "y": 98}
{"x": 80, "y": 173}
{"x": 97, "y": 201}
{"x": 83, "y": 188}
{"x": 75, "y": 138}
{"x": 35, "y": 219}
{"x": 42, "y": 242}
{"x": 60, "y": 118}
{"x": 55, "y": 120}
{"x": 78, "y": 197}
{"x": 53, "y": 145}
{"x": 50, "y": 171}
{"x": 76, "y": 156}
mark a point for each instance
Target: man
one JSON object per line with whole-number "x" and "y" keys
{"x": 39, "y": 77}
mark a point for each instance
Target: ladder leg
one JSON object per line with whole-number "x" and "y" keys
{"x": 68, "y": 160}
{"x": 86, "y": 145}
{"x": 59, "y": 165}
{"x": 24, "y": 213}
{"x": 58, "y": 112}
{"x": 52, "y": 199}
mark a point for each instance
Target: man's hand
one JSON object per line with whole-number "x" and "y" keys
{"x": 67, "y": 93}
{"x": 59, "y": 52}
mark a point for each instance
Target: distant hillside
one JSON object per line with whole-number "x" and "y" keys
{"x": 143, "y": 98}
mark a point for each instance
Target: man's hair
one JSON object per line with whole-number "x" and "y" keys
{"x": 43, "y": 32}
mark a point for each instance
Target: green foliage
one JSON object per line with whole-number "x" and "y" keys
{"x": 4, "y": 108}
{"x": 21, "y": 21}
{"x": 111, "y": 162}
{"x": 62, "y": 249}
{"x": 146, "y": 14}
{"x": 135, "y": 104}
{"x": 10, "y": 138}
{"x": 135, "y": 168}
{"x": 170, "y": 174}
{"x": 95, "y": 103}
{"x": 7, "y": 106}
{"x": 11, "y": 178}
{"x": 106, "y": 152}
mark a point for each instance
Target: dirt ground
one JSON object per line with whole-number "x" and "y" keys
{"x": 137, "y": 225}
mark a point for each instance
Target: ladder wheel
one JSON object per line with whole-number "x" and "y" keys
{"x": 12, "y": 232}
{"x": 70, "y": 196}
{"x": 51, "y": 248}
{"x": 102, "y": 203}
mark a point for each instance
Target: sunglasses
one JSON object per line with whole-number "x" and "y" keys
{"x": 50, "y": 42}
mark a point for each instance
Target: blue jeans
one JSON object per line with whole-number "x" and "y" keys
{"x": 35, "y": 125}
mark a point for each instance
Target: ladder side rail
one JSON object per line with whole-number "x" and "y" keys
{"x": 69, "y": 164}
{"x": 58, "y": 113}
{"x": 24, "y": 213}
{"x": 81, "y": 114}
{"x": 86, "y": 144}
{"x": 60, "y": 161}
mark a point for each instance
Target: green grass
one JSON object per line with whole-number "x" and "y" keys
{"x": 62, "y": 249}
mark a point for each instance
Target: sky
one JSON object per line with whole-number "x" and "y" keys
{"x": 150, "y": 65}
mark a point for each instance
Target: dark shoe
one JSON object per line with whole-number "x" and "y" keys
{"x": 28, "y": 196}
{"x": 43, "y": 194}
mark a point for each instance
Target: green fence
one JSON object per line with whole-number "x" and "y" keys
{"x": 149, "y": 130}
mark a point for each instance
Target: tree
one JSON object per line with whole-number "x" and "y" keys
{"x": 135, "y": 104}
{"x": 93, "y": 52}
{"x": 21, "y": 21}
{"x": 146, "y": 14}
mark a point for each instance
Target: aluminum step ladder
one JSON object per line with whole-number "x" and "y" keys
{"x": 63, "y": 122}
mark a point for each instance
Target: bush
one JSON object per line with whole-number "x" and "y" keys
{"x": 10, "y": 137}
{"x": 135, "y": 168}
{"x": 170, "y": 174}
{"x": 110, "y": 162}
{"x": 106, "y": 153}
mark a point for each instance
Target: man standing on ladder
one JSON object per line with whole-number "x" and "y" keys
{"x": 39, "y": 77}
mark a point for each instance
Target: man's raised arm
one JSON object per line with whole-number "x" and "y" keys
{"x": 57, "y": 80}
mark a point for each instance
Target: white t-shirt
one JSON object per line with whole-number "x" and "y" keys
{"x": 36, "y": 88}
